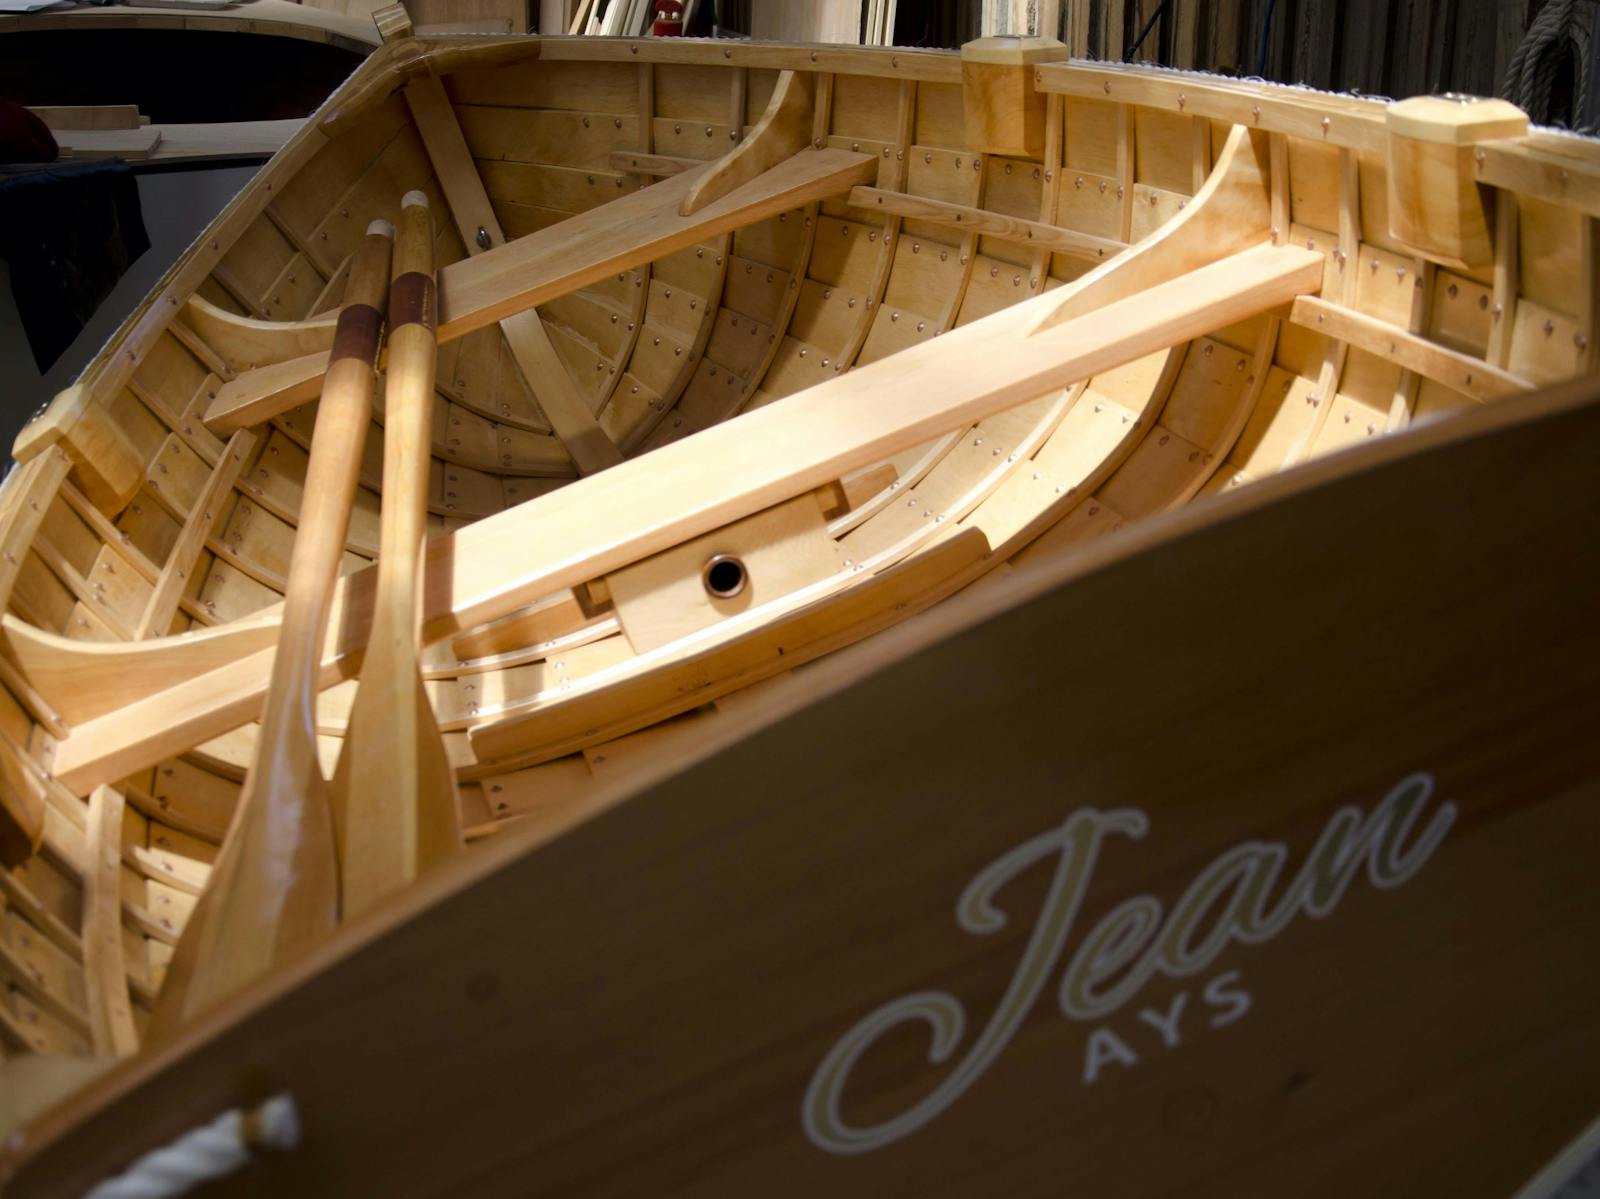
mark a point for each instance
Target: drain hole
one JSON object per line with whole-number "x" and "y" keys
{"x": 724, "y": 576}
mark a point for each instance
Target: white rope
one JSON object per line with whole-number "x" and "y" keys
{"x": 211, "y": 1151}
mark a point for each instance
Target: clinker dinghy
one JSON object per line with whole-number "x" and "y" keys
{"x": 946, "y": 624}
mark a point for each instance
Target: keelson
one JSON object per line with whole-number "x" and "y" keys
{"x": 1238, "y": 897}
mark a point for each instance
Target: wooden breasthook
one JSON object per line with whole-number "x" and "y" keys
{"x": 907, "y": 623}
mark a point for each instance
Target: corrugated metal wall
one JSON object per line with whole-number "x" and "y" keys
{"x": 1390, "y": 48}
{"x": 1377, "y": 47}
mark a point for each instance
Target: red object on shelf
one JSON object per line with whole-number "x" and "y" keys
{"x": 669, "y": 19}
{"x": 25, "y": 138}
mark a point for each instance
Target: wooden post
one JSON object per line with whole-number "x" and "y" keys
{"x": 1435, "y": 203}
{"x": 1005, "y": 114}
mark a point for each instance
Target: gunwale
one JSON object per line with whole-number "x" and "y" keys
{"x": 1301, "y": 131}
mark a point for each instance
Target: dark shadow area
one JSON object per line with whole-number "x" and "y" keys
{"x": 177, "y": 76}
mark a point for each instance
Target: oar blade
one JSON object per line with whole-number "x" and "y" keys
{"x": 394, "y": 790}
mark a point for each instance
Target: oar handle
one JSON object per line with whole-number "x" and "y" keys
{"x": 394, "y": 793}
{"x": 408, "y": 414}
{"x": 343, "y": 417}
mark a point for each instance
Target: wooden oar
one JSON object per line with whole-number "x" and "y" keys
{"x": 394, "y": 792}
{"x": 274, "y": 891}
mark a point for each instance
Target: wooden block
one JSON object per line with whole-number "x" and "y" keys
{"x": 393, "y": 22}
{"x": 1004, "y": 114}
{"x": 767, "y": 556}
{"x": 105, "y": 464}
{"x": 1436, "y": 206}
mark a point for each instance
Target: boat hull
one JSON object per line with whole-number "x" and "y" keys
{"x": 726, "y": 984}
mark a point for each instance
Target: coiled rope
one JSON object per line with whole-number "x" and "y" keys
{"x": 211, "y": 1151}
{"x": 1562, "y": 33}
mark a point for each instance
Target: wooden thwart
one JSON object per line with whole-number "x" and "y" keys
{"x": 675, "y": 683}
{"x": 604, "y": 522}
{"x": 628, "y": 232}
{"x": 635, "y": 229}
{"x": 258, "y": 395}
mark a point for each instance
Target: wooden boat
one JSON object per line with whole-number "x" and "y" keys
{"x": 157, "y": 82}
{"x": 1119, "y": 504}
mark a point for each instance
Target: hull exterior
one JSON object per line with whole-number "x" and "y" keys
{"x": 1429, "y": 1027}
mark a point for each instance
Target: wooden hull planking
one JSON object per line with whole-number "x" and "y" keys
{"x": 975, "y": 314}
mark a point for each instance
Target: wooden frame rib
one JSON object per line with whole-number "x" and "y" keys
{"x": 185, "y": 552}
{"x": 104, "y": 968}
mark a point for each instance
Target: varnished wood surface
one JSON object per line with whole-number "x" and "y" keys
{"x": 393, "y": 793}
{"x": 636, "y": 229}
{"x": 617, "y": 677}
{"x": 485, "y": 571}
{"x": 1433, "y": 1039}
